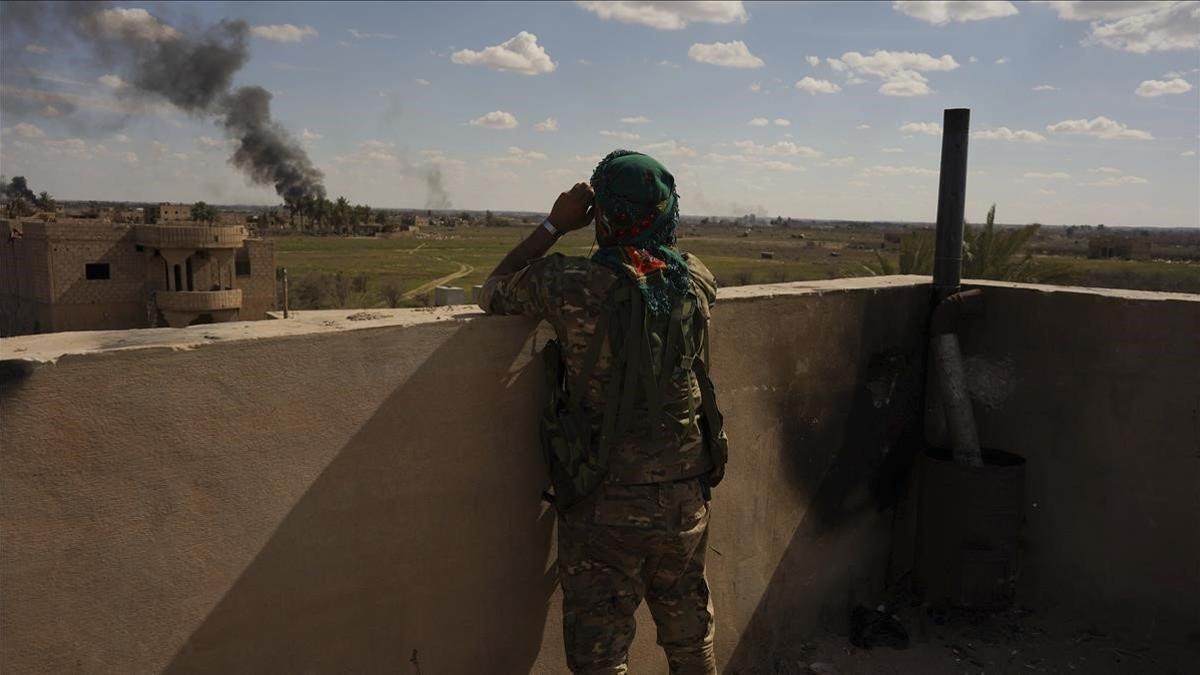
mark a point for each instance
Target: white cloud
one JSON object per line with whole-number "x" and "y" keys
{"x": 1100, "y": 127}
{"x": 1076, "y": 10}
{"x": 668, "y": 15}
{"x": 899, "y": 71}
{"x": 669, "y": 149}
{"x": 1151, "y": 88}
{"x": 1046, "y": 87}
{"x": 729, "y": 54}
{"x": 26, "y": 130}
{"x": 863, "y": 126}
{"x": 780, "y": 122}
{"x": 111, "y": 81}
{"x": 923, "y": 128}
{"x": 940, "y": 12}
{"x": 1002, "y": 60}
{"x": 1006, "y": 134}
{"x": 36, "y": 49}
{"x": 1105, "y": 169}
{"x": 815, "y": 86}
{"x": 891, "y": 170}
{"x": 892, "y": 151}
{"x": 1139, "y": 27}
{"x": 360, "y": 35}
{"x": 1055, "y": 175}
{"x": 756, "y": 87}
{"x": 1188, "y": 153}
{"x": 779, "y": 149}
{"x": 422, "y": 81}
{"x": 760, "y": 122}
{"x": 105, "y": 103}
{"x": 497, "y": 119}
{"x": 204, "y": 143}
{"x": 518, "y": 156}
{"x": 1117, "y": 181}
{"x": 371, "y": 150}
{"x": 548, "y": 124}
{"x": 973, "y": 59}
{"x": 622, "y": 135}
{"x": 813, "y": 61}
{"x": 121, "y": 138}
{"x": 130, "y": 23}
{"x": 309, "y": 135}
{"x": 72, "y": 147}
{"x": 785, "y": 167}
{"x": 50, "y": 112}
{"x": 668, "y": 64}
{"x": 519, "y": 54}
{"x": 838, "y": 161}
{"x": 284, "y": 32}
{"x": 1045, "y": 192}
{"x": 640, "y": 119}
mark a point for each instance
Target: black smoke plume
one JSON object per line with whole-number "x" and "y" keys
{"x": 17, "y": 189}
{"x": 192, "y": 70}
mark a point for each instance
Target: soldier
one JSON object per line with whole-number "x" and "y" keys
{"x": 632, "y": 437}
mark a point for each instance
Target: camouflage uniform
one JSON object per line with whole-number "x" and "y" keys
{"x": 644, "y": 533}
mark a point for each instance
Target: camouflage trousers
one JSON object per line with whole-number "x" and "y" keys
{"x": 626, "y": 543}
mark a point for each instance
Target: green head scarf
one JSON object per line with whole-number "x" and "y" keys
{"x": 638, "y": 202}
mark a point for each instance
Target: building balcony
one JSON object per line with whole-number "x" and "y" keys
{"x": 190, "y": 236}
{"x": 198, "y": 301}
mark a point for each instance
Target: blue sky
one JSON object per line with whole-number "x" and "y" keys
{"x": 1085, "y": 113}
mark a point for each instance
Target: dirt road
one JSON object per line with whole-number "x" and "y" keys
{"x": 463, "y": 270}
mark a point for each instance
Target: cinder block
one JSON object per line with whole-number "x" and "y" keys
{"x": 449, "y": 295}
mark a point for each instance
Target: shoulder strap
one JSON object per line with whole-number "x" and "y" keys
{"x": 579, "y": 387}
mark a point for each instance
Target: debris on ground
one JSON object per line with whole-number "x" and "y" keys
{"x": 366, "y": 316}
{"x": 876, "y": 628}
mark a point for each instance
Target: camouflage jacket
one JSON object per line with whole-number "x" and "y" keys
{"x": 567, "y": 292}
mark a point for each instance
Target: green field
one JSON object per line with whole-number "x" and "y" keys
{"x": 344, "y": 272}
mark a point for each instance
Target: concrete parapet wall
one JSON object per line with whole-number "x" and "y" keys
{"x": 324, "y": 494}
{"x": 1100, "y": 391}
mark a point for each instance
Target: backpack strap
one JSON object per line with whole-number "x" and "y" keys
{"x": 579, "y": 388}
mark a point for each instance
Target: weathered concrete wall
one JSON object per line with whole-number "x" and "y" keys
{"x": 258, "y": 287}
{"x": 1100, "y": 392}
{"x": 325, "y": 495}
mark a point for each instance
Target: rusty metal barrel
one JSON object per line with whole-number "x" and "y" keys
{"x": 970, "y": 523}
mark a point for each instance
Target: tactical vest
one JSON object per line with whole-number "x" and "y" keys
{"x": 648, "y": 355}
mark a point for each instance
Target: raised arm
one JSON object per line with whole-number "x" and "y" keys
{"x": 573, "y": 210}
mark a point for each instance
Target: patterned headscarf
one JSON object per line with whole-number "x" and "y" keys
{"x": 637, "y": 199}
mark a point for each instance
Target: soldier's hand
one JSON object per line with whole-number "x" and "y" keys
{"x": 574, "y": 209}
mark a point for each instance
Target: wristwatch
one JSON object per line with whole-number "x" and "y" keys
{"x": 549, "y": 227}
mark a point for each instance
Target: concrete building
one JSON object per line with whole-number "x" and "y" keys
{"x": 1128, "y": 248}
{"x": 173, "y": 213}
{"x": 89, "y": 275}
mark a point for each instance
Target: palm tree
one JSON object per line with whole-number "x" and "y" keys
{"x": 988, "y": 253}
{"x": 45, "y": 202}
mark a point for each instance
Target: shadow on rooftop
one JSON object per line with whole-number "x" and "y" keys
{"x": 855, "y": 470}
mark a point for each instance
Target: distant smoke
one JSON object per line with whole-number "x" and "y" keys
{"x": 436, "y": 196}
{"x": 18, "y": 188}
{"x": 193, "y": 71}
{"x": 267, "y": 152}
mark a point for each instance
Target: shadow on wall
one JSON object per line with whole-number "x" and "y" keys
{"x": 378, "y": 566}
{"x": 855, "y": 470}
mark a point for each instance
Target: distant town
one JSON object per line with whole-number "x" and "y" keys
{"x": 72, "y": 265}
